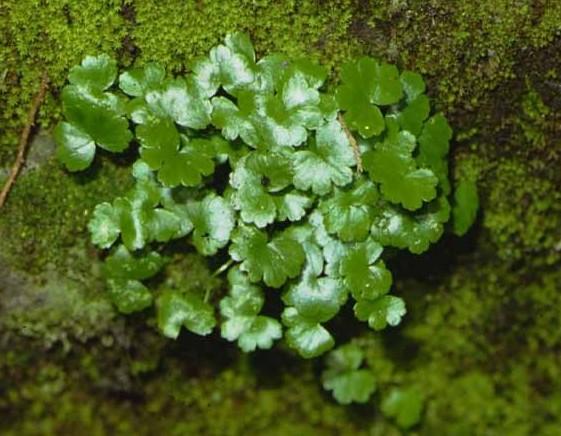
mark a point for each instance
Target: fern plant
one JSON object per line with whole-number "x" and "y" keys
{"x": 318, "y": 184}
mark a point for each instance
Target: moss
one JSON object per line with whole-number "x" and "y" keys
{"x": 465, "y": 48}
{"x": 188, "y": 29}
{"x": 44, "y": 220}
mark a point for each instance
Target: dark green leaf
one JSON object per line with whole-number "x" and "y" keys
{"x": 392, "y": 165}
{"x": 365, "y": 275}
{"x": 433, "y": 148}
{"x": 399, "y": 228}
{"x": 348, "y": 213}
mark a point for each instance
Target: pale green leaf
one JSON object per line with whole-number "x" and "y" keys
{"x": 307, "y": 337}
{"x": 213, "y": 221}
{"x": 95, "y": 73}
{"x": 129, "y": 295}
{"x": 386, "y": 310}
{"x": 176, "y": 310}
{"x": 328, "y": 161}
{"x": 273, "y": 261}
{"x": 138, "y": 81}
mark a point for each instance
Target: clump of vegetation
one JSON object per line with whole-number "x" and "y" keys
{"x": 295, "y": 190}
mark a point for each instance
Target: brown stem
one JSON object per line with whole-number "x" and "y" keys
{"x": 354, "y": 144}
{"x": 24, "y": 139}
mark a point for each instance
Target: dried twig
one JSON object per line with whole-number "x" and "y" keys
{"x": 24, "y": 139}
{"x": 354, "y": 144}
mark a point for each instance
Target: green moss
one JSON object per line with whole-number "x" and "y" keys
{"x": 186, "y": 30}
{"x": 44, "y": 220}
{"x": 466, "y": 48}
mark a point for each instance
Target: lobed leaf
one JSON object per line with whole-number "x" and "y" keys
{"x": 272, "y": 261}
{"x": 176, "y": 310}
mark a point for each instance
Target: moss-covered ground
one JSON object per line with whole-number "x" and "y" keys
{"x": 482, "y": 338}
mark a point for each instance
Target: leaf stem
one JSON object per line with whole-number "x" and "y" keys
{"x": 354, "y": 144}
{"x": 216, "y": 273}
{"x": 223, "y": 268}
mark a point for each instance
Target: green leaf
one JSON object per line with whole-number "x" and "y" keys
{"x": 304, "y": 235}
{"x": 316, "y": 299}
{"x": 213, "y": 221}
{"x": 236, "y": 121}
{"x": 413, "y": 84}
{"x": 181, "y": 101}
{"x": 124, "y": 265}
{"x": 176, "y": 310}
{"x": 412, "y": 117}
{"x": 160, "y": 141}
{"x": 434, "y": 144}
{"x": 136, "y": 218}
{"x": 308, "y": 337}
{"x": 366, "y": 83}
{"x": 405, "y": 405}
{"x": 271, "y": 261}
{"x": 255, "y": 177}
{"x": 138, "y": 81}
{"x": 93, "y": 118}
{"x": 365, "y": 275}
{"x": 241, "y": 309}
{"x": 381, "y": 312}
{"x": 466, "y": 205}
{"x": 343, "y": 376}
{"x": 273, "y": 170}
{"x": 391, "y": 164}
{"x": 129, "y": 295}
{"x": 326, "y": 162}
{"x": 261, "y": 333}
{"x": 230, "y": 65}
{"x": 76, "y": 149}
{"x": 348, "y": 213}
{"x": 292, "y": 206}
{"x": 401, "y": 229}
{"x": 185, "y": 166}
{"x": 96, "y": 73}
{"x": 104, "y": 225}
{"x": 98, "y": 115}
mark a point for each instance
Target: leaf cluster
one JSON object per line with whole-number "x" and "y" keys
{"x": 256, "y": 162}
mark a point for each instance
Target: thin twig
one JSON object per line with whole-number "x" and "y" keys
{"x": 24, "y": 139}
{"x": 352, "y": 141}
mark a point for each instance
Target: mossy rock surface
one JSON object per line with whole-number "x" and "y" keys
{"x": 481, "y": 339}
